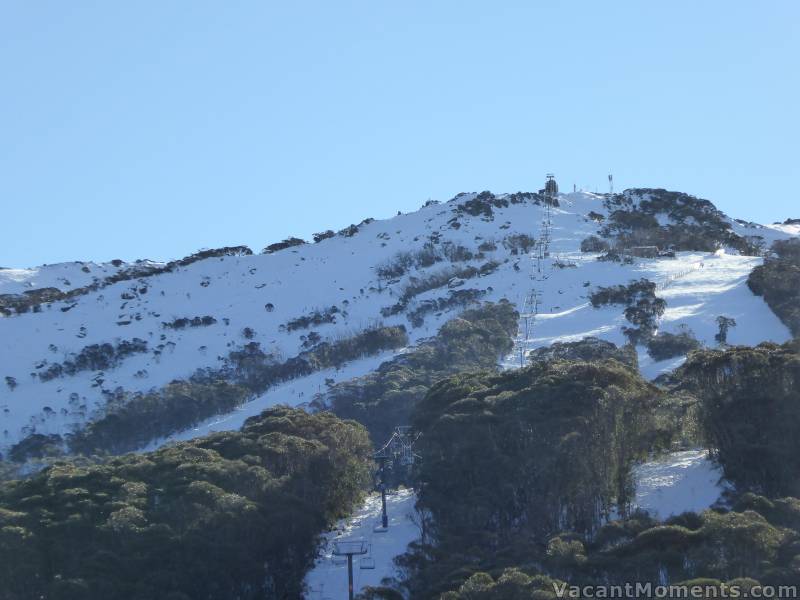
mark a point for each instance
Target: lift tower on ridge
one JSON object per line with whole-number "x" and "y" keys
{"x": 541, "y": 251}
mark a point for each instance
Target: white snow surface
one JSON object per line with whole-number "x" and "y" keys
{"x": 341, "y": 271}
{"x": 63, "y": 276}
{"x": 328, "y": 577}
{"x": 678, "y": 482}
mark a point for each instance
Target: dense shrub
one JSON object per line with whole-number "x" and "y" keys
{"x": 623, "y": 294}
{"x": 511, "y": 459}
{"x": 691, "y": 223}
{"x": 454, "y": 299}
{"x": 754, "y": 544}
{"x": 95, "y": 357}
{"x": 132, "y": 420}
{"x": 317, "y": 317}
{"x": 399, "y": 264}
{"x": 751, "y": 412}
{"x": 482, "y": 205}
{"x": 643, "y": 308}
{"x": 511, "y": 584}
{"x": 519, "y": 243}
{"x": 231, "y": 515}
{"x": 185, "y": 322}
{"x": 385, "y": 398}
{"x": 594, "y": 244}
{"x": 36, "y": 446}
{"x": 419, "y": 285}
{"x": 778, "y": 280}
{"x": 290, "y": 242}
{"x": 669, "y": 345}
{"x": 323, "y": 235}
{"x": 588, "y": 349}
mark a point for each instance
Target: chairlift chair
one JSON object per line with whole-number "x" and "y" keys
{"x": 367, "y": 561}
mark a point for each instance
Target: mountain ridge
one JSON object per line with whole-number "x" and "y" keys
{"x": 431, "y": 263}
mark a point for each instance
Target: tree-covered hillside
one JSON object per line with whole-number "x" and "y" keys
{"x": 522, "y": 471}
{"x": 232, "y": 515}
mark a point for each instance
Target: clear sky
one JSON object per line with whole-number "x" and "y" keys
{"x": 150, "y": 129}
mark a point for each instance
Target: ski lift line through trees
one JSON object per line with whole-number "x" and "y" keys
{"x": 350, "y": 548}
{"x": 399, "y": 449}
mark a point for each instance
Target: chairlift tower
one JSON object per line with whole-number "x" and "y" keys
{"x": 399, "y": 450}
{"x": 610, "y": 185}
{"x": 350, "y": 548}
{"x": 529, "y": 311}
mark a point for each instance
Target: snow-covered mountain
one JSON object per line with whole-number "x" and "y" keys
{"x": 74, "y": 335}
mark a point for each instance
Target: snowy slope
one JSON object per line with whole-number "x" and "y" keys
{"x": 263, "y": 292}
{"x": 678, "y": 482}
{"x": 328, "y": 578}
{"x": 62, "y": 276}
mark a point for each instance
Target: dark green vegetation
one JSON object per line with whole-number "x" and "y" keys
{"x": 588, "y": 349}
{"x": 594, "y": 244}
{"x": 669, "y": 345}
{"x": 519, "y": 243}
{"x": 431, "y": 281}
{"x": 483, "y": 204}
{"x": 756, "y": 542}
{"x": 431, "y": 253}
{"x": 724, "y": 323}
{"x": 778, "y": 280}
{"x": 289, "y": 242}
{"x": 519, "y": 466}
{"x": 751, "y": 412}
{"x": 510, "y": 584}
{"x": 453, "y": 299}
{"x": 185, "y": 322}
{"x": 386, "y": 397}
{"x": 514, "y": 458}
{"x": 130, "y": 421}
{"x": 231, "y": 515}
{"x": 642, "y": 307}
{"x": 694, "y": 223}
{"x": 95, "y": 357}
{"x": 317, "y": 317}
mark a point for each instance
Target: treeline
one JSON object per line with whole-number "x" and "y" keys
{"x": 750, "y": 398}
{"x": 130, "y": 421}
{"x": 521, "y": 469}
{"x": 387, "y": 396}
{"x": 778, "y": 280}
{"x": 753, "y": 544}
{"x": 695, "y": 224}
{"x": 233, "y": 515}
{"x": 512, "y": 459}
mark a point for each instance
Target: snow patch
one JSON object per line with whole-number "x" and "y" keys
{"x": 678, "y": 482}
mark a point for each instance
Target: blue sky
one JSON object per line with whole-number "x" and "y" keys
{"x": 151, "y": 129}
